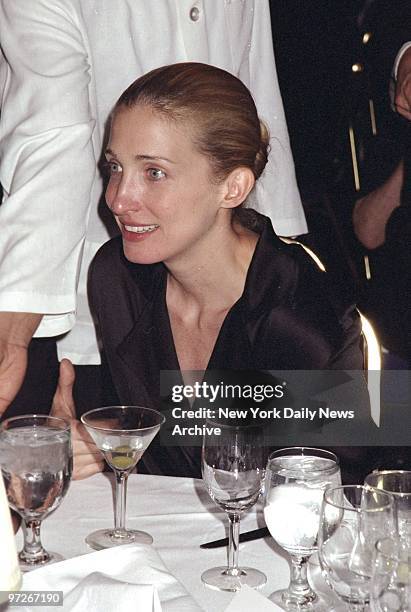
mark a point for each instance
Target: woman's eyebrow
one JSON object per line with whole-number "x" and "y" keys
{"x": 142, "y": 156}
{"x": 145, "y": 157}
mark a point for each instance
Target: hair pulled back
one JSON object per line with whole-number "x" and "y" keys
{"x": 216, "y": 104}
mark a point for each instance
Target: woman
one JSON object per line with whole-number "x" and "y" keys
{"x": 196, "y": 282}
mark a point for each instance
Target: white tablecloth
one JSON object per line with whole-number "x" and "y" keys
{"x": 179, "y": 514}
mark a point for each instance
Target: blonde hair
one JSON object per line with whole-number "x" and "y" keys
{"x": 217, "y": 105}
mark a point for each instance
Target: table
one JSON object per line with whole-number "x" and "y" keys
{"x": 179, "y": 514}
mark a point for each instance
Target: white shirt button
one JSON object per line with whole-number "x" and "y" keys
{"x": 195, "y": 13}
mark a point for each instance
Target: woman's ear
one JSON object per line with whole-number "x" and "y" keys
{"x": 237, "y": 185}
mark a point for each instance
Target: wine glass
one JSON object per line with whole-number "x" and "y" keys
{"x": 36, "y": 459}
{"x": 233, "y": 470}
{"x": 398, "y": 483}
{"x": 295, "y": 481}
{"x": 391, "y": 577}
{"x": 122, "y": 434}
{"x": 353, "y": 518}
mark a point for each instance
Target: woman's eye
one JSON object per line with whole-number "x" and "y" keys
{"x": 112, "y": 167}
{"x": 155, "y": 174}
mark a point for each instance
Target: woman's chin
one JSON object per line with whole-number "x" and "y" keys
{"x": 139, "y": 256}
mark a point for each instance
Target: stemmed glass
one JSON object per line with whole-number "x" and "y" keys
{"x": 36, "y": 459}
{"x": 233, "y": 470}
{"x": 122, "y": 434}
{"x": 353, "y": 518}
{"x": 391, "y": 577}
{"x": 296, "y": 478}
{"x": 398, "y": 483}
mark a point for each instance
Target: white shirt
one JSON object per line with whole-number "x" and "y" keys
{"x": 64, "y": 64}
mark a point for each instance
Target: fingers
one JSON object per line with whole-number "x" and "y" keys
{"x": 16, "y": 331}
{"x": 67, "y": 374}
{"x": 13, "y": 364}
{"x": 87, "y": 465}
{"x": 88, "y": 460}
{"x": 63, "y": 402}
{"x": 82, "y": 439}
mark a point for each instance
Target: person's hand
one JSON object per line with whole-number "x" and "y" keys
{"x": 372, "y": 212}
{"x": 88, "y": 460}
{"x": 16, "y": 331}
{"x": 402, "y": 98}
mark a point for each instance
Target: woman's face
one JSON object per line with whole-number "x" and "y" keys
{"x": 160, "y": 188}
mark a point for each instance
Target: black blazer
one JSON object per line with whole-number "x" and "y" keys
{"x": 287, "y": 318}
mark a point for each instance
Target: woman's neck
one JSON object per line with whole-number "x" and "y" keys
{"x": 212, "y": 281}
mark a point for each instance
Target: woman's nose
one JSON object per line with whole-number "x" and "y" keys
{"x": 122, "y": 198}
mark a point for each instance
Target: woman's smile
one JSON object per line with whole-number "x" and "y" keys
{"x": 136, "y": 232}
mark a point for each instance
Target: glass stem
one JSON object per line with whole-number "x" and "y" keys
{"x": 33, "y": 549}
{"x": 299, "y": 585}
{"x": 120, "y": 504}
{"x": 233, "y": 543}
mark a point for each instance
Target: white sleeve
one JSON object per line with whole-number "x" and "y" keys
{"x": 277, "y": 192}
{"x": 47, "y": 163}
{"x": 400, "y": 53}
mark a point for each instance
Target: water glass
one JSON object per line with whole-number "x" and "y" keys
{"x": 391, "y": 579}
{"x": 294, "y": 485}
{"x": 36, "y": 460}
{"x": 353, "y": 518}
{"x": 398, "y": 483}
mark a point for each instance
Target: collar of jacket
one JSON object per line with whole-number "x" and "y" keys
{"x": 270, "y": 274}
{"x": 268, "y": 277}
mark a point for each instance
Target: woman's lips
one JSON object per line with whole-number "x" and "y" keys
{"x": 137, "y": 232}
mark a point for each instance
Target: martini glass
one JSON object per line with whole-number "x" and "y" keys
{"x": 122, "y": 433}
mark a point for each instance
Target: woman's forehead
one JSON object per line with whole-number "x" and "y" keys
{"x": 143, "y": 132}
{"x": 140, "y": 120}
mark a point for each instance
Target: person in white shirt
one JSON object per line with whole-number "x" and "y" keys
{"x": 62, "y": 66}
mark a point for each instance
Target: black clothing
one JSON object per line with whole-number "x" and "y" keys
{"x": 287, "y": 318}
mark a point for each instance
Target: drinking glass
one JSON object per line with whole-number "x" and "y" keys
{"x": 353, "y": 518}
{"x": 36, "y": 459}
{"x": 122, "y": 434}
{"x": 294, "y": 485}
{"x": 391, "y": 577}
{"x": 233, "y": 470}
{"x": 398, "y": 483}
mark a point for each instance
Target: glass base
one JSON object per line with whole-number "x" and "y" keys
{"x": 106, "y": 538}
{"x": 344, "y": 607}
{"x": 27, "y": 563}
{"x": 310, "y": 602}
{"x": 221, "y": 579}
